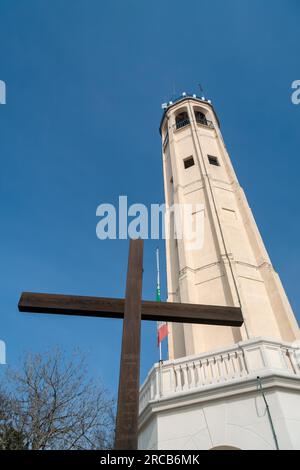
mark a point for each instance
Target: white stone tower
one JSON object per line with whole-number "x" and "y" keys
{"x": 232, "y": 267}
{"x": 208, "y": 394}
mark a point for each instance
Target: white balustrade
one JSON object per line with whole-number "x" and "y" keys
{"x": 245, "y": 359}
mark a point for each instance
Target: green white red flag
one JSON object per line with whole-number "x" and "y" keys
{"x": 162, "y": 326}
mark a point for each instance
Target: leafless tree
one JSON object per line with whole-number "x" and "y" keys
{"x": 52, "y": 405}
{"x": 9, "y": 437}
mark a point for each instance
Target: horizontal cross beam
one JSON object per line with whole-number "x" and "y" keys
{"x": 114, "y": 308}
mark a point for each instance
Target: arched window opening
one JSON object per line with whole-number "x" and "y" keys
{"x": 182, "y": 119}
{"x": 224, "y": 447}
{"x": 200, "y": 117}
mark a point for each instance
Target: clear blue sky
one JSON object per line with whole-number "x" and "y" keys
{"x": 85, "y": 83}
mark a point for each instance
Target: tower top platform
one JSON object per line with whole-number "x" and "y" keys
{"x": 181, "y": 99}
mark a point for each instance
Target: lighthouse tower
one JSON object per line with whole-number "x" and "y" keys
{"x": 232, "y": 266}
{"x": 208, "y": 395}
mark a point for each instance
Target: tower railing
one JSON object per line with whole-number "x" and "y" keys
{"x": 182, "y": 123}
{"x": 204, "y": 122}
{"x": 199, "y": 120}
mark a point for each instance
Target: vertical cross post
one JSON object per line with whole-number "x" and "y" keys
{"x": 129, "y": 382}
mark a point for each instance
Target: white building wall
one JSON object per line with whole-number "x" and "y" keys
{"x": 212, "y": 400}
{"x": 239, "y": 422}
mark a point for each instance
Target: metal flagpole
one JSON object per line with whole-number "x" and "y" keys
{"x": 158, "y": 299}
{"x": 158, "y": 273}
{"x": 158, "y": 293}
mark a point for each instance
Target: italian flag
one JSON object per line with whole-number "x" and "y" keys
{"x": 162, "y": 331}
{"x": 162, "y": 326}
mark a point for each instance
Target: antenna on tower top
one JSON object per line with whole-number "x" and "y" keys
{"x": 174, "y": 91}
{"x": 201, "y": 91}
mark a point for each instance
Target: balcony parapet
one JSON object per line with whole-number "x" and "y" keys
{"x": 243, "y": 360}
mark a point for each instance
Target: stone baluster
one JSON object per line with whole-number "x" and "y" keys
{"x": 200, "y": 370}
{"x": 192, "y": 375}
{"x": 222, "y": 368}
{"x": 233, "y": 356}
{"x": 185, "y": 376}
{"x": 213, "y": 370}
{"x": 209, "y": 371}
{"x": 241, "y": 363}
{"x": 230, "y": 369}
{"x": 179, "y": 384}
{"x": 218, "y": 367}
{"x": 294, "y": 359}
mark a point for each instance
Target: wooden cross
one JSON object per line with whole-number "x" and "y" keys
{"x": 132, "y": 309}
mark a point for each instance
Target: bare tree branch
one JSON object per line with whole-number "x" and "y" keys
{"x": 54, "y": 406}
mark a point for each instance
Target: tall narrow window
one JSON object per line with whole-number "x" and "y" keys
{"x": 213, "y": 160}
{"x": 189, "y": 161}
